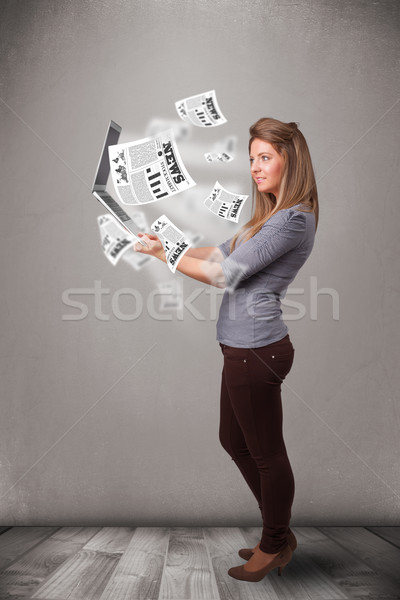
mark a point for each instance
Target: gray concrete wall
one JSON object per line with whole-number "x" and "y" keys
{"x": 114, "y": 420}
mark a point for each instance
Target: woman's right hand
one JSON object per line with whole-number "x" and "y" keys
{"x": 153, "y": 246}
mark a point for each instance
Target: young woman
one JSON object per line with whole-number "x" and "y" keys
{"x": 255, "y": 267}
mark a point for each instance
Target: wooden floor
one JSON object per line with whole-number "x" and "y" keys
{"x": 157, "y": 563}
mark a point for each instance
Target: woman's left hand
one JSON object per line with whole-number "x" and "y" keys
{"x": 154, "y": 246}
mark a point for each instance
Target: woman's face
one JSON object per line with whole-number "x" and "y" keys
{"x": 266, "y": 167}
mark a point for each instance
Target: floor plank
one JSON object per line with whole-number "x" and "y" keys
{"x": 27, "y": 573}
{"x": 187, "y": 571}
{"x": 139, "y": 572}
{"x": 17, "y": 540}
{"x": 82, "y": 577}
{"x": 114, "y": 540}
{"x": 78, "y": 535}
{"x": 383, "y": 558}
{"x": 390, "y": 534}
{"x": 3, "y": 529}
{"x": 350, "y": 574}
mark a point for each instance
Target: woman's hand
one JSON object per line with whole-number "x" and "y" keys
{"x": 154, "y": 246}
{"x": 204, "y": 270}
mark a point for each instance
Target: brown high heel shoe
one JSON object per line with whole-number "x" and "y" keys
{"x": 247, "y": 553}
{"x": 279, "y": 562}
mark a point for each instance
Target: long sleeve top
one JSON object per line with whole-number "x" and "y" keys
{"x": 258, "y": 273}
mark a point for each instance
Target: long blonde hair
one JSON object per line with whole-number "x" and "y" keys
{"x": 298, "y": 183}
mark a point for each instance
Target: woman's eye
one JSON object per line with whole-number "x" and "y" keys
{"x": 265, "y": 158}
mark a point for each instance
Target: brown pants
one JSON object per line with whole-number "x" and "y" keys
{"x": 251, "y": 431}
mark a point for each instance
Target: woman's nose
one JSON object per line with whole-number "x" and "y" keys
{"x": 254, "y": 167}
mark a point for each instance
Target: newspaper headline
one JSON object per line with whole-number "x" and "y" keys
{"x": 173, "y": 239}
{"x": 149, "y": 169}
{"x": 226, "y": 205}
{"x": 201, "y": 110}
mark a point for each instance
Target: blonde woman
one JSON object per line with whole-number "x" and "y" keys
{"x": 255, "y": 267}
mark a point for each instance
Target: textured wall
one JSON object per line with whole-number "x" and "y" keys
{"x": 115, "y": 421}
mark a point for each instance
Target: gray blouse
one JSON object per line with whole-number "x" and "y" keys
{"x": 257, "y": 275}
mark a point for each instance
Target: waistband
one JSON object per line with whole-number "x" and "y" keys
{"x": 282, "y": 341}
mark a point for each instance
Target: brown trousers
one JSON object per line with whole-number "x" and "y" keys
{"x": 251, "y": 431}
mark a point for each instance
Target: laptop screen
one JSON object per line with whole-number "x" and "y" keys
{"x": 103, "y": 169}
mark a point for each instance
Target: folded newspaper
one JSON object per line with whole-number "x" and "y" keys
{"x": 226, "y": 205}
{"x": 116, "y": 240}
{"x": 149, "y": 169}
{"x": 201, "y": 110}
{"x": 173, "y": 239}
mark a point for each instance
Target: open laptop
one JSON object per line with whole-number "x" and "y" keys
{"x": 100, "y": 182}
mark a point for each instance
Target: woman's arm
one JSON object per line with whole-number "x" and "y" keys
{"x": 211, "y": 253}
{"x": 206, "y": 270}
